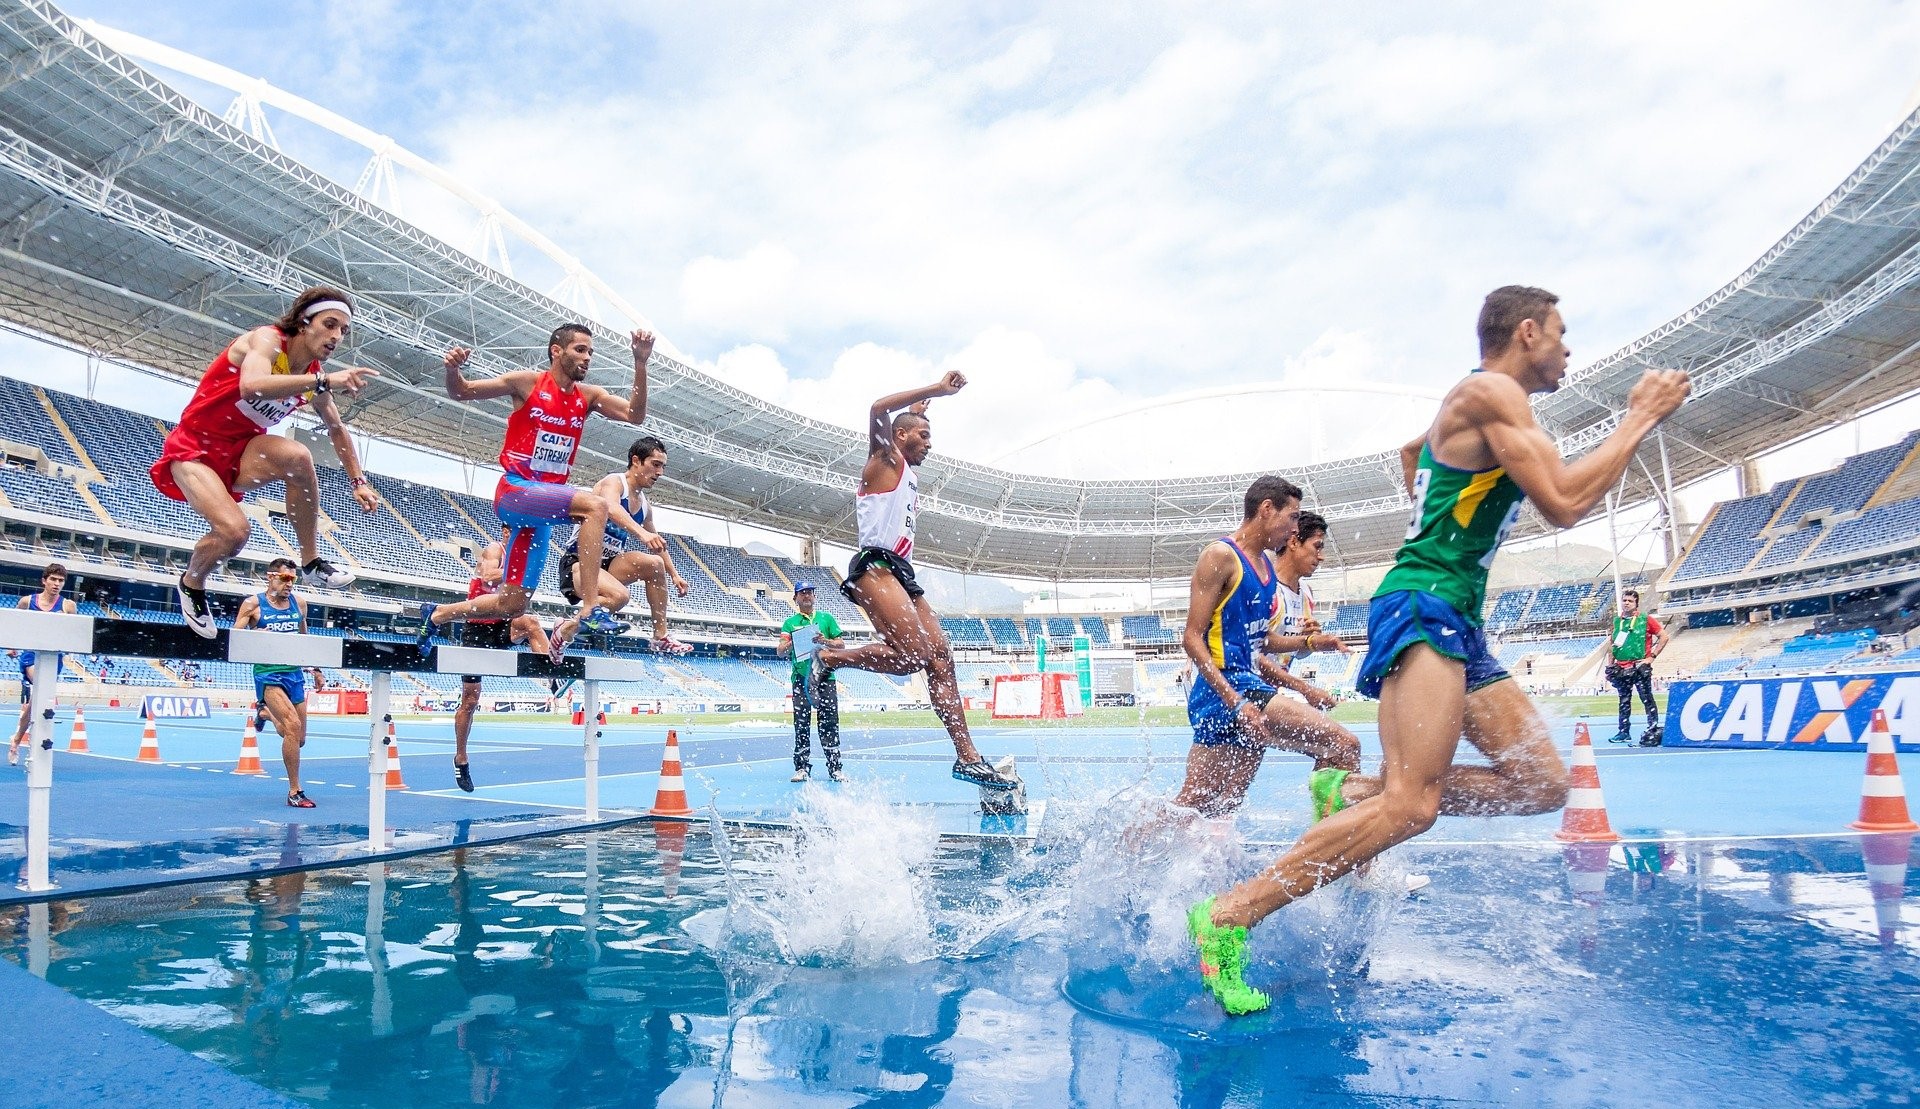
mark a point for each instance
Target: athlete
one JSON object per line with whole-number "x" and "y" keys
{"x": 221, "y": 448}
{"x": 1637, "y": 640}
{"x": 52, "y": 580}
{"x": 1481, "y": 459}
{"x": 543, "y": 436}
{"x": 633, "y": 548}
{"x": 880, "y": 580}
{"x": 497, "y": 633}
{"x": 1234, "y": 599}
{"x": 281, "y": 690}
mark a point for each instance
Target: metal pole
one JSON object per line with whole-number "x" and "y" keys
{"x": 1673, "y": 508}
{"x": 40, "y": 776}
{"x": 379, "y": 702}
{"x": 1613, "y": 538}
{"x": 39, "y": 939}
{"x": 590, "y": 744}
{"x": 590, "y": 919}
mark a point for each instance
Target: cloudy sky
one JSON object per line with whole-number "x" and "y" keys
{"x": 1085, "y": 208}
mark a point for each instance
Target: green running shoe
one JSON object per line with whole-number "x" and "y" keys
{"x": 1324, "y": 787}
{"x": 1223, "y": 955}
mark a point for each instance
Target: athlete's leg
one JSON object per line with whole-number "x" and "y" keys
{"x": 614, "y": 594}
{"x": 903, "y": 648}
{"x": 650, "y": 571}
{"x": 463, "y": 718}
{"x": 26, "y": 711}
{"x": 507, "y": 604}
{"x": 228, "y": 527}
{"x": 527, "y": 629}
{"x": 1295, "y": 726}
{"x": 275, "y": 458}
{"x": 1523, "y": 775}
{"x": 590, "y": 512}
{"x": 943, "y": 683}
{"x": 1422, "y": 710}
{"x": 1218, "y": 777}
{"x": 290, "y": 721}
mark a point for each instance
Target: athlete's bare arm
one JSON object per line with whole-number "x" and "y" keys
{"x": 1486, "y": 422}
{"x": 517, "y": 384}
{"x": 301, "y": 607}
{"x": 680, "y": 585}
{"x": 1212, "y": 580}
{"x": 491, "y": 566}
{"x": 364, "y": 494}
{"x": 882, "y": 470}
{"x": 1410, "y": 461}
{"x": 249, "y": 613}
{"x": 632, "y": 408}
{"x": 255, "y": 353}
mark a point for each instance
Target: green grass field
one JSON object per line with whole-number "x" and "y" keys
{"x": 1164, "y": 716}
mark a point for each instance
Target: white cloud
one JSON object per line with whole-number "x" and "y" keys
{"x": 748, "y": 295}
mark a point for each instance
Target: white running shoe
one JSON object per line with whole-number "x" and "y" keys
{"x": 195, "y": 610}
{"x": 321, "y": 574}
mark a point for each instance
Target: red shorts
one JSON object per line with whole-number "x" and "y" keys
{"x": 222, "y": 456}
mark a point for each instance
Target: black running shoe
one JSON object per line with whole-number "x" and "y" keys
{"x": 194, "y": 607}
{"x": 298, "y": 799}
{"x": 463, "y": 777}
{"x": 981, "y": 773}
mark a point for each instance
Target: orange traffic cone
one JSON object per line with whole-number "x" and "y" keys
{"x": 1886, "y": 858}
{"x": 250, "y": 751}
{"x": 670, "y": 839}
{"x": 393, "y": 760}
{"x": 671, "y": 798}
{"x": 149, "y": 744}
{"x": 77, "y": 743}
{"x": 1883, "y": 796}
{"x": 1584, "y": 820}
{"x": 579, "y": 716}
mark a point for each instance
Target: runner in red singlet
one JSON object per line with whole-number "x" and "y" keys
{"x": 497, "y": 633}
{"x": 543, "y": 436}
{"x": 221, "y": 449}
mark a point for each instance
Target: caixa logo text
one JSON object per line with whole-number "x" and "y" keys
{"x": 1827, "y": 711}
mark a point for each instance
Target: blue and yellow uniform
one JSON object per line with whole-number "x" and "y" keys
{"x": 1235, "y": 633}
{"x": 291, "y": 679}
{"x": 1438, "y": 585}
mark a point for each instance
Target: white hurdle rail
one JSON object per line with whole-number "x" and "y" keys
{"x": 45, "y": 632}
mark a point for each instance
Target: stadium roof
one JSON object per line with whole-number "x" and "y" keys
{"x": 142, "y": 228}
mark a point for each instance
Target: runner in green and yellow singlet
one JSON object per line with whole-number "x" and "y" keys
{"x": 1427, "y": 659}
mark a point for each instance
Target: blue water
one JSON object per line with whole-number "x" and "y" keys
{"x": 860, "y": 959}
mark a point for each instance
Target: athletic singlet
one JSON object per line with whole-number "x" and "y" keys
{"x": 885, "y": 520}
{"x": 1460, "y": 518}
{"x": 1240, "y": 621}
{"x": 276, "y": 620}
{"x": 616, "y": 538}
{"x": 477, "y": 589}
{"x": 30, "y": 660}
{"x": 543, "y": 434}
{"x": 1292, "y": 610}
{"x": 218, "y": 411}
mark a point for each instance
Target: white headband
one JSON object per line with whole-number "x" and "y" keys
{"x": 320, "y": 306}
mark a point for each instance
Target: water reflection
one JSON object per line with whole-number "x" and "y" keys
{"x": 566, "y": 974}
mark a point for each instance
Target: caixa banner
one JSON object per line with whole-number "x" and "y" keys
{"x": 1829, "y": 712}
{"x": 163, "y": 708}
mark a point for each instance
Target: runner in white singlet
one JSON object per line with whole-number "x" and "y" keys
{"x": 880, "y": 579}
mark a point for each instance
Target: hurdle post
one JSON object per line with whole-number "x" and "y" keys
{"x": 379, "y": 715}
{"x": 597, "y": 669}
{"x": 43, "y": 633}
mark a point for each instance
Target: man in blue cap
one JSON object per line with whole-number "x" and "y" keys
{"x": 805, "y": 632}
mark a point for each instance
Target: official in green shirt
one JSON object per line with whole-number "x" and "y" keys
{"x": 823, "y": 696}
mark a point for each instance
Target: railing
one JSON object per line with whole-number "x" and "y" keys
{"x": 26, "y": 630}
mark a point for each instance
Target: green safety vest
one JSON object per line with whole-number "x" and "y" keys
{"x": 1630, "y": 638}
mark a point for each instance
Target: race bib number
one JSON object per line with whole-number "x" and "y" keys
{"x": 552, "y": 453}
{"x": 266, "y": 413}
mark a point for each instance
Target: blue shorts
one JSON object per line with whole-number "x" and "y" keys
{"x": 529, "y": 509}
{"x": 1396, "y": 621}
{"x": 1213, "y": 725}
{"x": 29, "y": 660}
{"x": 292, "y": 682}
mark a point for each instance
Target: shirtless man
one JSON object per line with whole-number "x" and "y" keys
{"x": 1481, "y": 459}
{"x": 221, "y": 448}
{"x": 497, "y": 633}
{"x": 543, "y": 437}
{"x": 630, "y": 523}
{"x": 880, "y": 579}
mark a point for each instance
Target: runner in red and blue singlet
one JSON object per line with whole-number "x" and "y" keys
{"x": 543, "y": 437}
